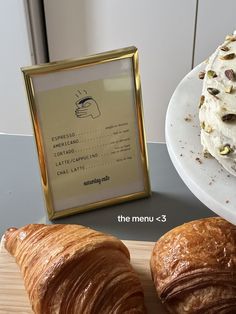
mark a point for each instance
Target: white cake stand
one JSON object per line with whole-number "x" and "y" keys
{"x": 205, "y": 177}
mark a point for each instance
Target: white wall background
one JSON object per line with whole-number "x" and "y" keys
{"x": 215, "y": 19}
{"x": 162, "y": 30}
{"x": 15, "y": 52}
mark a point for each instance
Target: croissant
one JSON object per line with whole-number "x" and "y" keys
{"x": 71, "y": 269}
{"x": 194, "y": 267}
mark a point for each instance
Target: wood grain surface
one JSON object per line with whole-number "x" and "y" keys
{"x": 13, "y": 297}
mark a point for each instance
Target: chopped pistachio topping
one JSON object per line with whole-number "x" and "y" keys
{"x": 230, "y": 38}
{"x": 213, "y": 91}
{"x": 225, "y": 150}
{"x": 208, "y": 129}
{"x": 229, "y": 56}
{"x": 211, "y": 74}
{"x": 224, "y": 48}
{"x": 229, "y": 89}
{"x": 201, "y": 75}
{"x": 229, "y": 117}
{"x": 202, "y": 99}
{"x": 206, "y": 153}
{"x": 230, "y": 74}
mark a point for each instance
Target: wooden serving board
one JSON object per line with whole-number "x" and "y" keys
{"x": 13, "y": 297}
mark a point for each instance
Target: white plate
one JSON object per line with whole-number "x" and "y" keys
{"x": 205, "y": 177}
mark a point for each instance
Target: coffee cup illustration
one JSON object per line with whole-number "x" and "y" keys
{"x": 87, "y": 107}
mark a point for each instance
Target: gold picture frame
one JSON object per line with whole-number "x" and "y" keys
{"x": 88, "y": 125}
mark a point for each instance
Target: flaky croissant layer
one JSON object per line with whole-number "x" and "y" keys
{"x": 71, "y": 269}
{"x": 194, "y": 267}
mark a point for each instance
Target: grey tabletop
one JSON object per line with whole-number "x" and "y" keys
{"x": 22, "y": 201}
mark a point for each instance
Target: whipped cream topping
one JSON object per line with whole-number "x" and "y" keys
{"x": 217, "y": 111}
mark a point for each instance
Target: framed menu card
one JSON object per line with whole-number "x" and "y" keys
{"x": 88, "y": 126}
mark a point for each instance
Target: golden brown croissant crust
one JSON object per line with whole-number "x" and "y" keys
{"x": 71, "y": 269}
{"x": 194, "y": 267}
